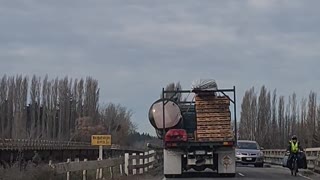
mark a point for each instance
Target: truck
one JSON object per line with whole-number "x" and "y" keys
{"x": 198, "y": 136}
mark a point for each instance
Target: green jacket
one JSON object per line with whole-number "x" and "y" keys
{"x": 289, "y": 146}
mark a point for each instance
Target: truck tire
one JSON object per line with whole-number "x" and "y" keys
{"x": 228, "y": 175}
{"x": 169, "y": 176}
{"x": 231, "y": 175}
{"x": 172, "y": 176}
{"x": 199, "y": 168}
{"x": 259, "y": 165}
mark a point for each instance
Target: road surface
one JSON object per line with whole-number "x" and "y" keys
{"x": 271, "y": 172}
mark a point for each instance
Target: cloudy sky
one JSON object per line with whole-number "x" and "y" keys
{"x": 136, "y": 47}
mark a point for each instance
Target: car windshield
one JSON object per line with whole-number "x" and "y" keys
{"x": 248, "y": 145}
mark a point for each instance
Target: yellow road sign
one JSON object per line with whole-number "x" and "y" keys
{"x": 101, "y": 140}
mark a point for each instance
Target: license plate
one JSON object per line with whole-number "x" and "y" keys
{"x": 249, "y": 159}
{"x": 200, "y": 152}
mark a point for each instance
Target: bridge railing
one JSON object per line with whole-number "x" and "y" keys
{"x": 130, "y": 164}
{"x": 30, "y": 144}
{"x": 275, "y": 156}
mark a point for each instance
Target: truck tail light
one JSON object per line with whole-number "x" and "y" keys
{"x": 227, "y": 143}
{"x": 176, "y": 135}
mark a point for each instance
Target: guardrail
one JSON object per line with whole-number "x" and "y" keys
{"x": 130, "y": 164}
{"x": 275, "y": 156}
{"x": 29, "y": 144}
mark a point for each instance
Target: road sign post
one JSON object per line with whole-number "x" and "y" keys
{"x": 100, "y": 140}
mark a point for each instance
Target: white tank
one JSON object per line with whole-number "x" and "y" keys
{"x": 173, "y": 117}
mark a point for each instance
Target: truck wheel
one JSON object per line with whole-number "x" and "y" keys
{"x": 258, "y": 165}
{"x": 169, "y": 176}
{"x": 199, "y": 168}
{"x": 232, "y": 175}
{"x": 172, "y": 176}
{"x": 229, "y": 175}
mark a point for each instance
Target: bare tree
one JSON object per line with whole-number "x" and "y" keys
{"x": 55, "y": 108}
{"x": 3, "y": 105}
{"x": 281, "y": 121}
{"x": 244, "y": 126}
{"x": 311, "y": 118}
{"x": 10, "y": 106}
{"x": 91, "y": 98}
{"x": 173, "y": 87}
{"x": 274, "y": 131}
{"x": 273, "y": 125}
{"x": 294, "y": 114}
{"x": 302, "y": 126}
{"x": 54, "y": 105}
{"x": 263, "y": 111}
{"x": 317, "y": 133}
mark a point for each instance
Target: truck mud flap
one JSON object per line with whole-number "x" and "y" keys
{"x": 226, "y": 162}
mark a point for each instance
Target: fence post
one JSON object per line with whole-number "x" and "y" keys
{"x": 146, "y": 161}
{"x": 151, "y": 159}
{"x": 120, "y": 166}
{"x": 99, "y": 172}
{"x": 111, "y": 172}
{"x": 126, "y": 164}
{"x": 141, "y": 162}
{"x": 68, "y": 173}
{"x": 318, "y": 161}
{"x": 84, "y": 172}
{"x": 134, "y": 162}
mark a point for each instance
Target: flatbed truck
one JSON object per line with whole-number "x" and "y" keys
{"x": 185, "y": 149}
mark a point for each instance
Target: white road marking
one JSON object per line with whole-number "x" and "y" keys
{"x": 304, "y": 176}
{"x": 241, "y": 174}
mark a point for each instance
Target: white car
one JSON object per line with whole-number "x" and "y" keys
{"x": 249, "y": 152}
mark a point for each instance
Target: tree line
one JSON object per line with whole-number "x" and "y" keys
{"x": 56, "y": 109}
{"x": 272, "y": 120}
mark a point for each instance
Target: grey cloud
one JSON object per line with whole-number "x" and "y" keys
{"x": 134, "y": 48}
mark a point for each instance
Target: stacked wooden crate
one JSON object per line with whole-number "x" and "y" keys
{"x": 213, "y": 118}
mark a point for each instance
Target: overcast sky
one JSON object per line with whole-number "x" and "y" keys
{"x": 134, "y": 48}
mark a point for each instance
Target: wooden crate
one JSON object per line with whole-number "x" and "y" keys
{"x": 215, "y": 114}
{"x": 213, "y": 131}
{"x": 199, "y": 136}
{"x": 213, "y": 102}
{"x": 213, "y": 118}
{"x": 214, "y": 139}
{"x": 210, "y": 135}
{"x": 212, "y": 110}
{"x": 213, "y": 127}
{"x": 209, "y": 97}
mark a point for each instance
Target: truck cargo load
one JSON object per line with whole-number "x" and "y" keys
{"x": 197, "y": 134}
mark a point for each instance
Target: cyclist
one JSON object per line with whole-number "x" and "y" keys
{"x": 293, "y": 148}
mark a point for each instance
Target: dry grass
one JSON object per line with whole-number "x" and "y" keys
{"x": 44, "y": 172}
{"x": 154, "y": 174}
{"x": 29, "y": 173}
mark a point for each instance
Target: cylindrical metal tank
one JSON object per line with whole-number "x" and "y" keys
{"x": 173, "y": 117}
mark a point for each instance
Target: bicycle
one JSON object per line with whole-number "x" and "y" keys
{"x": 294, "y": 165}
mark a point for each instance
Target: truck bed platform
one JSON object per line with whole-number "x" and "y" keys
{"x": 189, "y": 144}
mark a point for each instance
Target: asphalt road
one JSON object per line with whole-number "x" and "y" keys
{"x": 271, "y": 172}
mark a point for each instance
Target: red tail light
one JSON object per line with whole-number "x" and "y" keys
{"x": 176, "y": 135}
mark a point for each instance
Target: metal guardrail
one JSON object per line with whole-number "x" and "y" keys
{"x": 275, "y": 156}
{"x": 29, "y": 144}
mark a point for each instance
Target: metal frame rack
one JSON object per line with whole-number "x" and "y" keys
{"x": 223, "y": 91}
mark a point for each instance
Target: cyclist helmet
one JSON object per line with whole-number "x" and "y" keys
{"x": 294, "y": 137}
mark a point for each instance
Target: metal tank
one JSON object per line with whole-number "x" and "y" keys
{"x": 173, "y": 116}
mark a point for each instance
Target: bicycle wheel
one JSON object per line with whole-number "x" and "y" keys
{"x": 295, "y": 167}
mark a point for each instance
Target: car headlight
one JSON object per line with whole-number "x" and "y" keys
{"x": 260, "y": 153}
{"x": 238, "y": 153}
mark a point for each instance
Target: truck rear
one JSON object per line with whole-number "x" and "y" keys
{"x": 197, "y": 134}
